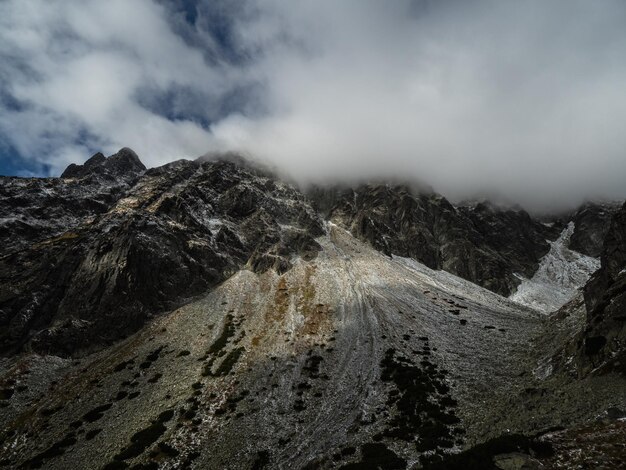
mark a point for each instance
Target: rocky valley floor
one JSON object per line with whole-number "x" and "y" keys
{"x": 351, "y": 360}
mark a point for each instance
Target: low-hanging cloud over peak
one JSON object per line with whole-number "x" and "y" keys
{"x": 521, "y": 98}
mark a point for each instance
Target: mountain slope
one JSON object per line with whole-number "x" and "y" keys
{"x": 350, "y": 357}
{"x": 483, "y": 244}
{"x": 209, "y": 317}
{"x": 179, "y": 230}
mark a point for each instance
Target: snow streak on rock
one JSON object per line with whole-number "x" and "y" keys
{"x": 560, "y": 274}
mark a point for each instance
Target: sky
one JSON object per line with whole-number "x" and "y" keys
{"x": 523, "y": 99}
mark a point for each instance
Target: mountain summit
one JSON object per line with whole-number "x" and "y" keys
{"x": 123, "y": 163}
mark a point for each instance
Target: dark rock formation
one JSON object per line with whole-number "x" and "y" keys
{"x": 592, "y": 222}
{"x": 513, "y": 234}
{"x": 121, "y": 164}
{"x": 603, "y": 343}
{"x": 181, "y": 229}
{"x": 480, "y": 243}
{"x": 33, "y": 209}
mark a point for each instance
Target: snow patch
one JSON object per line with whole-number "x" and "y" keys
{"x": 560, "y": 274}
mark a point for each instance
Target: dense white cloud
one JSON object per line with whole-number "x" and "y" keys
{"x": 77, "y": 68}
{"x": 522, "y": 98}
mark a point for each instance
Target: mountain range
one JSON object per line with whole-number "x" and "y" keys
{"x": 211, "y": 314}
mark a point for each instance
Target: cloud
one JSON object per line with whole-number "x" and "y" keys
{"x": 78, "y": 69}
{"x": 520, "y": 98}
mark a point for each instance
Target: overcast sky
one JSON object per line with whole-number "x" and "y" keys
{"x": 525, "y": 98}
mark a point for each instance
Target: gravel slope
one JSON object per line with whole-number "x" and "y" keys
{"x": 352, "y": 359}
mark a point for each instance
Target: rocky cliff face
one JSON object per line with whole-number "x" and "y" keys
{"x": 481, "y": 243}
{"x": 592, "y": 222}
{"x": 603, "y": 342}
{"x": 178, "y": 230}
{"x": 513, "y": 234}
{"x": 33, "y": 209}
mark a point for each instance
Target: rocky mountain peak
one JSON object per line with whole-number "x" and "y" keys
{"x": 95, "y": 160}
{"x": 126, "y": 160}
{"x": 124, "y": 163}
